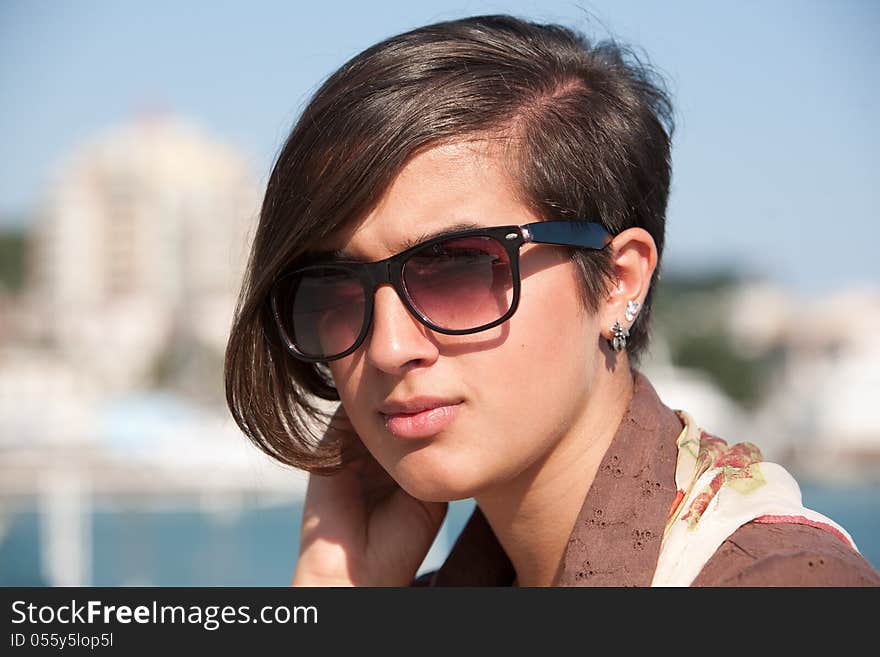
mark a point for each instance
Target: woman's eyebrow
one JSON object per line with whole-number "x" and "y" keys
{"x": 342, "y": 255}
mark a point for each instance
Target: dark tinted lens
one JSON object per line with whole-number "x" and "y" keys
{"x": 321, "y": 310}
{"x": 462, "y": 283}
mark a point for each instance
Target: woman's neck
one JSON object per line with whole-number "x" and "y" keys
{"x": 533, "y": 514}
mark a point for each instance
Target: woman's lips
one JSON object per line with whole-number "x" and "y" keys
{"x": 422, "y": 424}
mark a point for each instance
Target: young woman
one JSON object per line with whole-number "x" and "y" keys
{"x": 460, "y": 241}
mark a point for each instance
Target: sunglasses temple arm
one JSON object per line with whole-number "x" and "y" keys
{"x": 566, "y": 233}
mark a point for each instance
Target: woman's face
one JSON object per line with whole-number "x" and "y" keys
{"x": 522, "y": 384}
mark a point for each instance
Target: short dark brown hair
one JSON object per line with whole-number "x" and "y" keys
{"x": 588, "y": 128}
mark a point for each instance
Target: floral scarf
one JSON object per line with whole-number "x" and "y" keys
{"x": 721, "y": 488}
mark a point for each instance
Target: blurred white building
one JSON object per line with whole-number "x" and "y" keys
{"x": 143, "y": 233}
{"x": 821, "y": 415}
{"x": 823, "y": 406}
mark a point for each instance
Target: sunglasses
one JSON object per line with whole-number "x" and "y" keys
{"x": 456, "y": 284}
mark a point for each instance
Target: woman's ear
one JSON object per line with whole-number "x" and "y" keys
{"x": 634, "y": 256}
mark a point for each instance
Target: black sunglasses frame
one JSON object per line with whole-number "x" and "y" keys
{"x": 582, "y": 234}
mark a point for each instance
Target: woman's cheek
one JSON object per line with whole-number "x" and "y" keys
{"x": 359, "y": 412}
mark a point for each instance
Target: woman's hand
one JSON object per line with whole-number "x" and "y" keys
{"x": 360, "y": 528}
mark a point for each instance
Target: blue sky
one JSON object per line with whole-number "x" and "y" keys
{"x": 775, "y": 155}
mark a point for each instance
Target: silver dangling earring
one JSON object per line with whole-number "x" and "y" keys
{"x": 621, "y": 333}
{"x": 632, "y": 309}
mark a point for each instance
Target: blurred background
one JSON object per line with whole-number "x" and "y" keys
{"x": 137, "y": 139}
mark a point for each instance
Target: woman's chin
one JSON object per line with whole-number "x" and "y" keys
{"x": 435, "y": 484}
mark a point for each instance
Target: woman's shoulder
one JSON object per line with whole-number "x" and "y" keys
{"x": 786, "y": 554}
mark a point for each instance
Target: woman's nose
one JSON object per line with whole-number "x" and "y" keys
{"x": 396, "y": 338}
